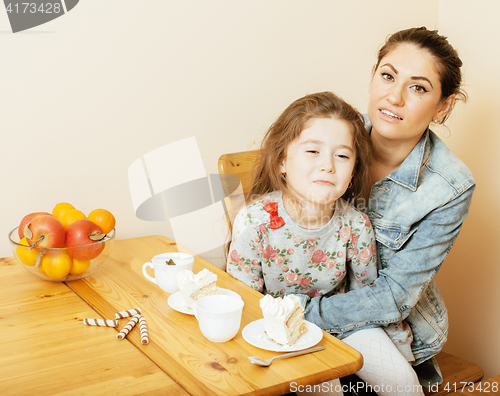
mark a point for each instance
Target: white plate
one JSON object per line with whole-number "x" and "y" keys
{"x": 177, "y": 302}
{"x": 254, "y": 334}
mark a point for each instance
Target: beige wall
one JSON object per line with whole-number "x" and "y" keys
{"x": 468, "y": 280}
{"x": 87, "y": 94}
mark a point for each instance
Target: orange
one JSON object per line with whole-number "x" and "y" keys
{"x": 104, "y": 219}
{"x": 71, "y": 216}
{"x": 56, "y": 264}
{"x": 79, "y": 266}
{"x": 60, "y": 209}
{"x": 25, "y": 254}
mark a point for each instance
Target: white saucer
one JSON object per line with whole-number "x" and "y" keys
{"x": 177, "y": 302}
{"x": 254, "y": 334}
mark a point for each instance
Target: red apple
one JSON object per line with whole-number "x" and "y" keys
{"x": 26, "y": 219}
{"x": 45, "y": 231}
{"x": 84, "y": 233}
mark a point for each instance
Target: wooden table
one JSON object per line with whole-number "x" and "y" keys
{"x": 176, "y": 347}
{"x": 46, "y": 350}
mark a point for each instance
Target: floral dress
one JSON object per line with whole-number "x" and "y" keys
{"x": 289, "y": 259}
{"x": 271, "y": 253}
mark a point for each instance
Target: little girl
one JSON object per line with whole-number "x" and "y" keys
{"x": 299, "y": 234}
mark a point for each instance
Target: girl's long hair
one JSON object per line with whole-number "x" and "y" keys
{"x": 266, "y": 175}
{"x": 266, "y": 172}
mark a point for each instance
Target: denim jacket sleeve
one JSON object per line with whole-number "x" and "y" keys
{"x": 411, "y": 261}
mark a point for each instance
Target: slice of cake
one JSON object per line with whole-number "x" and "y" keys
{"x": 283, "y": 319}
{"x": 194, "y": 287}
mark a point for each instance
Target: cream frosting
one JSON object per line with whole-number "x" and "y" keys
{"x": 190, "y": 284}
{"x": 283, "y": 318}
{"x": 202, "y": 278}
{"x": 278, "y": 308}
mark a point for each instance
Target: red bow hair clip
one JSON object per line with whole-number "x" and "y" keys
{"x": 276, "y": 221}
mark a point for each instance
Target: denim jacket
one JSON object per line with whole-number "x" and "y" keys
{"x": 417, "y": 212}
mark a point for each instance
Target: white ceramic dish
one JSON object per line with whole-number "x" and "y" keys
{"x": 177, "y": 302}
{"x": 254, "y": 334}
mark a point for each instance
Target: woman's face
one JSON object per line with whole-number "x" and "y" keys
{"x": 405, "y": 95}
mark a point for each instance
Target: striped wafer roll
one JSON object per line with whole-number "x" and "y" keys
{"x": 100, "y": 322}
{"x": 129, "y": 326}
{"x": 126, "y": 314}
{"x": 144, "y": 330}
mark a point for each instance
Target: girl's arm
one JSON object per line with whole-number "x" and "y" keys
{"x": 362, "y": 256}
{"x": 244, "y": 260}
{"x": 400, "y": 284}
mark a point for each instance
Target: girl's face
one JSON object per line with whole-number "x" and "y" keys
{"x": 319, "y": 164}
{"x": 405, "y": 95}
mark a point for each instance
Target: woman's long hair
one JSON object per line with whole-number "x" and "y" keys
{"x": 448, "y": 62}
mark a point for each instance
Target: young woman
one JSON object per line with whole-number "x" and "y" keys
{"x": 420, "y": 195}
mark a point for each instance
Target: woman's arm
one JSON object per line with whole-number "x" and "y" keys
{"x": 400, "y": 284}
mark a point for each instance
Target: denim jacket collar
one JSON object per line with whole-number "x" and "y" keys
{"x": 407, "y": 173}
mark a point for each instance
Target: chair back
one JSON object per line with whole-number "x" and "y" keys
{"x": 238, "y": 166}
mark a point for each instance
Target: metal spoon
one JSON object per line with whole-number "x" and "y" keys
{"x": 267, "y": 362}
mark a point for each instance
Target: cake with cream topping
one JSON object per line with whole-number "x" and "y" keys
{"x": 193, "y": 287}
{"x": 283, "y": 319}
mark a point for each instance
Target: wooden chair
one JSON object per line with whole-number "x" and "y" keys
{"x": 455, "y": 370}
{"x": 456, "y": 373}
{"x": 237, "y": 165}
{"x": 490, "y": 387}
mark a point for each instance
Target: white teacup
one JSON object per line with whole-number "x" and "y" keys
{"x": 164, "y": 273}
{"x": 219, "y": 316}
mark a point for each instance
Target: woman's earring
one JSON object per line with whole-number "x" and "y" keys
{"x": 350, "y": 185}
{"x": 435, "y": 120}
